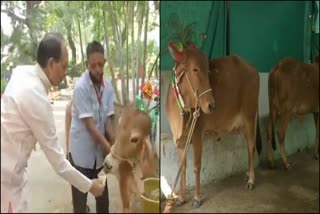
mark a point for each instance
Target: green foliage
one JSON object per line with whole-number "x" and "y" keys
{"x": 3, "y": 84}
{"x": 20, "y": 47}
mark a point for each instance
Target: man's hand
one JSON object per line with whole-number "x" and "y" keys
{"x": 97, "y": 187}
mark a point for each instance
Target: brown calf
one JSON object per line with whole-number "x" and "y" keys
{"x": 131, "y": 155}
{"x": 293, "y": 91}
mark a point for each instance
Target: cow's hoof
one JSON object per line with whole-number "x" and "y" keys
{"x": 195, "y": 203}
{"x": 246, "y": 177}
{"x": 288, "y": 166}
{"x": 249, "y": 186}
{"x": 179, "y": 202}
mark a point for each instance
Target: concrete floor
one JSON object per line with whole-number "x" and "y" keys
{"x": 276, "y": 191}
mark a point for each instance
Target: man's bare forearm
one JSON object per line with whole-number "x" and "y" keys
{"x": 94, "y": 132}
{"x": 110, "y": 135}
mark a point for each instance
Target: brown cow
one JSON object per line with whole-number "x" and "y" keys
{"x": 235, "y": 89}
{"x": 293, "y": 91}
{"x": 131, "y": 153}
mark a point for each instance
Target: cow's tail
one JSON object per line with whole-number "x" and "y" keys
{"x": 258, "y": 134}
{"x": 271, "y": 95}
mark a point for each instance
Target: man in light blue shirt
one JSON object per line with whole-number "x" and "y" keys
{"x": 91, "y": 132}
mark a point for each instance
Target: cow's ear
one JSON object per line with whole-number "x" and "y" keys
{"x": 191, "y": 44}
{"x": 177, "y": 55}
{"x": 146, "y": 159}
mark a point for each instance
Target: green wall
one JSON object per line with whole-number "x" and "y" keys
{"x": 262, "y": 32}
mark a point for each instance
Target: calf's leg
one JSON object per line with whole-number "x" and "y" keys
{"x": 250, "y": 136}
{"x": 281, "y": 136}
{"x": 271, "y": 139}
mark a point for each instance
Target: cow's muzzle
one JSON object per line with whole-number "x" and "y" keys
{"x": 107, "y": 166}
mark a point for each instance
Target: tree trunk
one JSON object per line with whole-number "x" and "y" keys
{"x": 117, "y": 36}
{"x": 72, "y": 47}
{"x": 133, "y": 71}
{"x": 79, "y": 29}
{"x": 114, "y": 83}
{"x": 145, "y": 43}
{"x": 127, "y": 50}
{"x": 84, "y": 22}
{"x": 140, "y": 21}
{"x": 29, "y": 15}
{"x": 99, "y": 37}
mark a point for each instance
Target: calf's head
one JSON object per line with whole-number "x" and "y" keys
{"x": 132, "y": 142}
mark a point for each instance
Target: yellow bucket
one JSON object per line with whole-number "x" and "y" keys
{"x": 148, "y": 205}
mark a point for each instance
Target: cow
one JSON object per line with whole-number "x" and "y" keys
{"x": 293, "y": 91}
{"x": 131, "y": 158}
{"x": 230, "y": 105}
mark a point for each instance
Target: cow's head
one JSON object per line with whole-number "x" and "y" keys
{"x": 192, "y": 73}
{"x": 132, "y": 142}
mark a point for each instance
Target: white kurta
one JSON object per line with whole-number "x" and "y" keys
{"x": 27, "y": 118}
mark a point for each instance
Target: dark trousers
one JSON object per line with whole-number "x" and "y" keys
{"x": 79, "y": 199}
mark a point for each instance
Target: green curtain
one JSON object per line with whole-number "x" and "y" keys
{"x": 262, "y": 32}
{"x": 315, "y": 33}
{"x": 200, "y": 18}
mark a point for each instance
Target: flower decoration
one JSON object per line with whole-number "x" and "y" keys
{"x": 147, "y": 90}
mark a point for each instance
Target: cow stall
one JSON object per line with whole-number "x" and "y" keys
{"x": 260, "y": 32}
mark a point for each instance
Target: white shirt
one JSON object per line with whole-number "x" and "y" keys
{"x": 27, "y": 118}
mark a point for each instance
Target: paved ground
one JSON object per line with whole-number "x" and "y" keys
{"x": 277, "y": 191}
{"x": 49, "y": 192}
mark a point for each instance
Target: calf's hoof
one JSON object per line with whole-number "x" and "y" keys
{"x": 179, "y": 202}
{"x": 195, "y": 203}
{"x": 250, "y": 186}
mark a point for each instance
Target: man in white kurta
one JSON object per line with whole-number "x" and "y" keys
{"x": 27, "y": 118}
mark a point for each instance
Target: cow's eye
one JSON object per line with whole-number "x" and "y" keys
{"x": 195, "y": 69}
{"x": 134, "y": 140}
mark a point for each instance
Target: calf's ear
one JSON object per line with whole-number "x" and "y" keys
{"x": 146, "y": 159}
